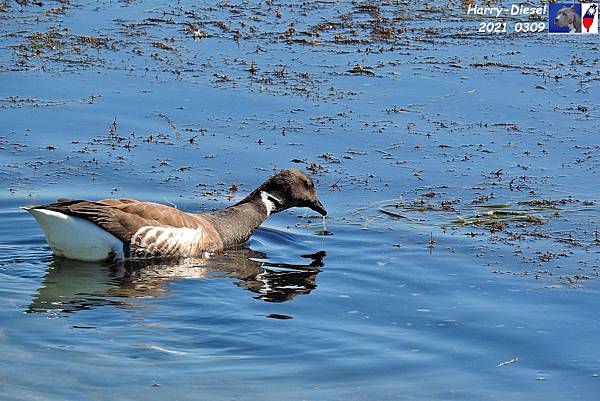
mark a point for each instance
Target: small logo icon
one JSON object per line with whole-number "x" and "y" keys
{"x": 589, "y": 21}
{"x": 564, "y": 18}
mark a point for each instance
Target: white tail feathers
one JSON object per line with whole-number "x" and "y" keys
{"x": 76, "y": 238}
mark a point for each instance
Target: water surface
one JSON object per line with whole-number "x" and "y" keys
{"x": 459, "y": 172}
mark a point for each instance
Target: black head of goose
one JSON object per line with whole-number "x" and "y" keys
{"x": 288, "y": 188}
{"x": 127, "y": 228}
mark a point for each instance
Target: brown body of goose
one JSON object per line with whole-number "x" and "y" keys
{"x": 129, "y": 229}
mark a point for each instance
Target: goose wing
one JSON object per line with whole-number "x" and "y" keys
{"x": 124, "y": 217}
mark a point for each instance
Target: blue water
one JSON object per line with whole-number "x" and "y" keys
{"x": 411, "y": 305}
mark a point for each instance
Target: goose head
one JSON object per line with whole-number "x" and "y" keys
{"x": 286, "y": 189}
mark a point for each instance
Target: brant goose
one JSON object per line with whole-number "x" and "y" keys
{"x": 117, "y": 229}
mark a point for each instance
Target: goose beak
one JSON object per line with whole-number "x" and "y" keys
{"x": 317, "y": 206}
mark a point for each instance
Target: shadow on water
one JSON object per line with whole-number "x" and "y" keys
{"x": 71, "y": 286}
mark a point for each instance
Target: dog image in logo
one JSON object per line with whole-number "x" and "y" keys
{"x": 589, "y": 16}
{"x": 567, "y": 17}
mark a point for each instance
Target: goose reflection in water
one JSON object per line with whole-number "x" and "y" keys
{"x": 71, "y": 286}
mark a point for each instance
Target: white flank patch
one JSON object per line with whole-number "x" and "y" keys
{"x": 166, "y": 241}
{"x": 269, "y": 205}
{"x": 76, "y": 238}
